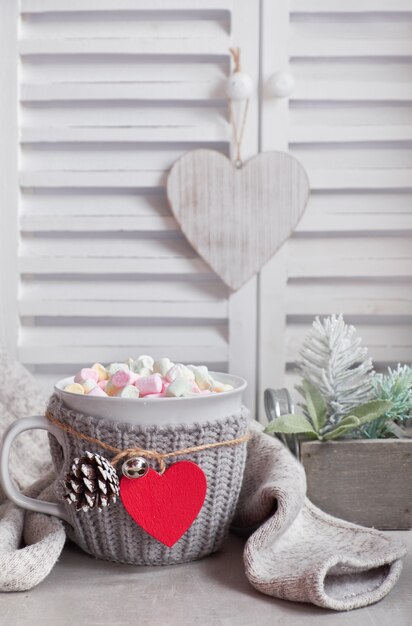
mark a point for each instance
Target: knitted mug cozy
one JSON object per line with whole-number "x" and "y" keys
{"x": 112, "y": 534}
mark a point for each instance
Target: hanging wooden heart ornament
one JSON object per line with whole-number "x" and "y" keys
{"x": 236, "y": 218}
{"x": 165, "y": 505}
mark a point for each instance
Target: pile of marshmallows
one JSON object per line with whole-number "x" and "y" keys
{"x": 144, "y": 377}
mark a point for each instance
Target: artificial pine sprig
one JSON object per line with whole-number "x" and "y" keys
{"x": 396, "y": 387}
{"x": 333, "y": 360}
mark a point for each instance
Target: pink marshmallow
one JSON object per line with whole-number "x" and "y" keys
{"x": 97, "y": 391}
{"x": 154, "y": 395}
{"x": 149, "y": 384}
{"x": 86, "y": 373}
{"x": 102, "y": 384}
{"x": 121, "y": 378}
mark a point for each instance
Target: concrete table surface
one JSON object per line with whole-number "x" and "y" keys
{"x": 82, "y": 591}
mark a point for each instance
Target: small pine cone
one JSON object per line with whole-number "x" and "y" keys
{"x": 91, "y": 483}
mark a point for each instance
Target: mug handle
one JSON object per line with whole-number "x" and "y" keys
{"x": 10, "y": 489}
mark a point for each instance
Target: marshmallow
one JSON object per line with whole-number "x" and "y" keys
{"x": 74, "y": 388}
{"x": 111, "y": 389}
{"x": 101, "y": 372}
{"x": 89, "y": 384}
{"x": 102, "y": 384}
{"x": 129, "y": 391}
{"x": 145, "y": 371}
{"x": 122, "y": 378}
{"x": 162, "y": 366}
{"x": 179, "y": 371}
{"x": 179, "y": 387}
{"x": 202, "y": 377}
{"x": 115, "y": 367}
{"x": 219, "y": 387}
{"x": 149, "y": 384}
{"x": 97, "y": 391}
{"x": 86, "y": 373}
{"x": 143, "y": 362}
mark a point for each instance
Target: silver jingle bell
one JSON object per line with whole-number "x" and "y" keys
{"x": 135, "y": 467}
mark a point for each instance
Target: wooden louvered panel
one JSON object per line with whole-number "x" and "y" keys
{"x": 349, "y": 120}
{"x": 111, "y": 94}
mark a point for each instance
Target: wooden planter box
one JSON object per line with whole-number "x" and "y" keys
{"x": 368, "y": 482}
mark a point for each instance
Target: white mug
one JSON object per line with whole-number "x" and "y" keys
{"x": 135, "y": 411}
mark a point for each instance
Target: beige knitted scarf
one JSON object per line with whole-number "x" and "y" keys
{"x": 294, "y": 551}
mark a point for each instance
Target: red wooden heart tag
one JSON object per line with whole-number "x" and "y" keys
{"x": 165, "y": 505}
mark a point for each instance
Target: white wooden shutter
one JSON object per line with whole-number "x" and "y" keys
{"x": 107, "y": 95}
{"x": 349, "y": 120}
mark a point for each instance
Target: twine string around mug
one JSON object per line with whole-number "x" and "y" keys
{"x": 159, "y": 457}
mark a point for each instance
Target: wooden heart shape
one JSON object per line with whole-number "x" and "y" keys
{"x": 236, "y": 219}
{"x": 165, "y": 505}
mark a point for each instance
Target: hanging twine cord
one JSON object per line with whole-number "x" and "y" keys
{"x": 237, "y": 132}
{"x": 235, "y": 52}
{"x": 159, "y": 457}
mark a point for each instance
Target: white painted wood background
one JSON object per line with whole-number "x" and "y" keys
{"x": 108, "y": 93}
{"x": 349, "y": 120}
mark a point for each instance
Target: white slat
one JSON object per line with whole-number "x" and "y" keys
{"x": 112, "y": 336}
{"x": 126, "y": 25}
{"x": 94, "y": 180}
{"x": 53, "y": 265}
{"x": 360, "y": 179}
{"x": 165, "y": 290}
{"x": 120, "y": 309}
{"x": 213, "y": 47}
{"x": 172, "y": 91}
{"x": 318, "y": 134}
{"x": 367, "y": 91}
{"x": 309, "y": 48}
{"x": 349, "y": 6}
{"x": 46, "y": 6}
{"x": 187, "y": 134}
{"x": 52, "y": 223}
{"x": 131, "y": 115}
{"x": 362, "y": 223}
{"x": 90, "y": 354}
{"x": 93, "y": 202}
{"x": 351, "y": 267}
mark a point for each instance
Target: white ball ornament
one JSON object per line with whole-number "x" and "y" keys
{"x": 239, "y": 86}
{"x": 281, "y": 84}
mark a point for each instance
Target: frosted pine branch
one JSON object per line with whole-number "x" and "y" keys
{"x": 333, "y": 359}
